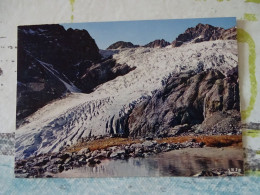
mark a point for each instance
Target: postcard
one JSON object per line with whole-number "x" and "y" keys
{"x": 131, "y": 98}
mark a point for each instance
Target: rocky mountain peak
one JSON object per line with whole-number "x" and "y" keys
{"x": 204, "y": 26}
{"x": 202, "y": 29}
{"x": 121, "y": 45}
{"x": 204, "y": 32}
{"x": 159, "y": 43}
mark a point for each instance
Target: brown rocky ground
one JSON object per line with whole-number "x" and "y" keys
{"x": 211, "y": 141}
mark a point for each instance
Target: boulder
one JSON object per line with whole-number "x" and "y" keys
{"x": 91, "y": 161}
{"x": 178, "y": 129}
{"x": 117, "y": 154}
{"x": 148, "y": 144}
{"x": 138, "y": 145}
{"x": 64, "y": 156}
{"x": 60, "y": 167}
{"x": 42, "y": 162}
{"x": 95, "y": 153}
{"x": 103, "y": 154}
{"x": 83, "y": 151}
{"x": 82, "y": 160}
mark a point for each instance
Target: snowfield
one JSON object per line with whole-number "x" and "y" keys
{"x": 63, "y": 122}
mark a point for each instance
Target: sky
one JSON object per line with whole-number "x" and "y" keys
{"x": 144, "y": 31}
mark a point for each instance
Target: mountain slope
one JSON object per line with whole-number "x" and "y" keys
{"x": 53, "y": 62}
{"x": 39, "y": 84}
{"x": 102, "y": 112}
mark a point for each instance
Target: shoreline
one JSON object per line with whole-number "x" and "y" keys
{"x": 115, "y": 148}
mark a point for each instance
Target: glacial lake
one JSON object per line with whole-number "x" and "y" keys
{"x": 184, "y": 162}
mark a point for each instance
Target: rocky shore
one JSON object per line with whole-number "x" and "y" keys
{"x": 47, "y": 165}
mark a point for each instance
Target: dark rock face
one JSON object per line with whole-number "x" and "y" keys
{"x": 187, "y": 100}
{"x": 55, "y": 45}
{"x": 157, "y": 44}
{"x": 69, "y": 52}
{"x": 36, "y": 86}
{"x": 102, "y": 72}
{"x": 205, "y": 32}
{"x": 66, "y": 53}
{"x": 121, "y": 45}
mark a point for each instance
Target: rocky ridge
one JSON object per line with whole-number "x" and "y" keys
{"x": 159, "y": 43}
{"x": 204, "y": 32}
{"x": 121, "y": 45}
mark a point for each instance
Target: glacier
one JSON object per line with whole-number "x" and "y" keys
{"x": 64, "y": 122}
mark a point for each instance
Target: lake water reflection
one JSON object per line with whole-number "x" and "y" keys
{"x": 185, "y": 162}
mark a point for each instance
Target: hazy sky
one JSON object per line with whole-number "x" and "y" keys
{"x": 145, "y": 31}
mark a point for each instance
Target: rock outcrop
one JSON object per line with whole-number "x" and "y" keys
{"x": 204, "y": 32}
{"x": 207, "y": 102}
{"x": 121, "y": 45}
{"x": 36, "y": 86}
{"x": 100, "y": 73}
{"x": 159, "y": 43}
